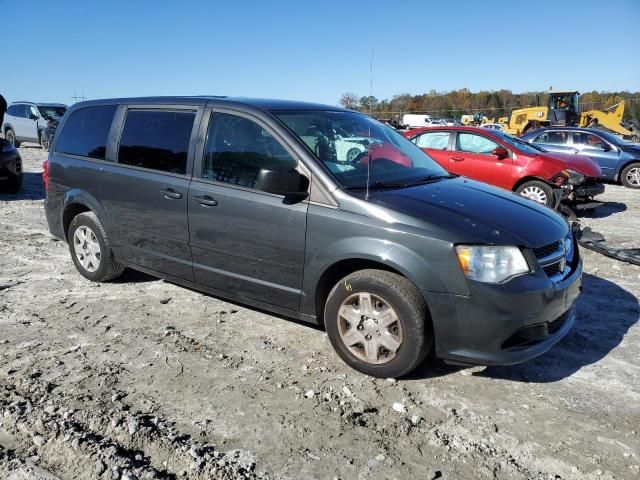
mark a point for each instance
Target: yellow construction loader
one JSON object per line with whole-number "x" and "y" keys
{"x": 562, "y": 109}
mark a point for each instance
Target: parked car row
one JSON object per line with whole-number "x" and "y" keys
{"x": 494, "y": 157}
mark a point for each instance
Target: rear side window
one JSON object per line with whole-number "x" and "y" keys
{"x": 156, "y": 139}
{"x": 553, "y": 138}
{"x": 86, "y": 132}
{"x": 437, "y": 140}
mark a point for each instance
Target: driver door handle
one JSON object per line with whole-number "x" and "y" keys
{"x": 456, "y": 159}
{"x": 171, "y": 194}
{"x": 206, "y": 201}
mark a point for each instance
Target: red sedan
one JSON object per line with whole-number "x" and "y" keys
{"x": 497, "y": 158}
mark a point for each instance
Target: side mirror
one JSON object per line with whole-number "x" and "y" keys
{"x": 33, "y": 117}
{"x": 283, "y": 181}
{"x": 606, "y": 147}
{"x": 500, "y": 152}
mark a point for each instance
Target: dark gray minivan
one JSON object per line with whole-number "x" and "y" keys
{"x": 317, "y": 213}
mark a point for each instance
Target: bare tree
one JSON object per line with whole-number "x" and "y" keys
{"x": 349, "y": 100}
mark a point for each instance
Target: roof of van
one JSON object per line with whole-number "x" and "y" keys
{"x": 261, "y": 103}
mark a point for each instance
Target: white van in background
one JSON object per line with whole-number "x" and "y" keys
{"x": 412, "y": 120}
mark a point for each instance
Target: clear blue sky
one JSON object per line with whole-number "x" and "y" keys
{"x": 313, "y": 50}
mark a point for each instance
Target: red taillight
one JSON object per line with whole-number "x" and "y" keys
{"x": 45, "y": 174}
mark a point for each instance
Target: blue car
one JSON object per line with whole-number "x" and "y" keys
{"x": 618, "y": 159}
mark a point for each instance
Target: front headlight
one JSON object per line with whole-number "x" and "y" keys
{"x": 575, "y": 178}
{"x": 491, "y": 264}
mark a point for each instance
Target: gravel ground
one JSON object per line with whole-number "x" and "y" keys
{"x": 144, "y": 379}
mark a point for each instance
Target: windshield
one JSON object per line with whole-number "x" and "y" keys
{"x": 358, "y": 150}
{"x": 51, "y": 111}
{"x": 520, "y": 144}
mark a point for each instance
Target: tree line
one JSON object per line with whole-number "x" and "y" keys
{"x": 495, "y": 103}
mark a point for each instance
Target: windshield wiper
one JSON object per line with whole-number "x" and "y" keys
{"x": 427, "y": 179}
{"x": 376, "y": 186}
{"x": 381, "y": 185}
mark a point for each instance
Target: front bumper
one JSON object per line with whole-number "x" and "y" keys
{"x": 505, "y": 324}
{"x": 10, "y": 165}
{"x": 583, "y": 191}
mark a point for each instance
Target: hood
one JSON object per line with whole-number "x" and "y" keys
{"x": 580, "y": 163}
{"x": 466, "y": 211}
{"x": 634, "y": 149}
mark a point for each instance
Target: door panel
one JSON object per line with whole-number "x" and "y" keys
{"x": 31, "y": 126}
{"x": 249, "y": 243}
{"x": 243, "y": 240}
{"x": 149, "y": 228}
{"x": 472, "y": 158}
{"x": 146, "y": 193}
{"x": 592, "y": 146}
{"x": 436, "y": 145}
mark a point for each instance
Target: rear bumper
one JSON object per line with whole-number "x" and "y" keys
{"x": 505, "y": 324}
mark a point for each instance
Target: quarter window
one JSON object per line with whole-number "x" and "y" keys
{"x": 472, "y": 143}
{"x": 237, "y": 148}
{"x": 156, "y": 139}
{"x": 86, "y": 132}
{"x": 437, "y": 140}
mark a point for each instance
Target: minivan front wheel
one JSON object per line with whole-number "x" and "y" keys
{"x": 377, "y": 323}
{"x": 90, "y": 249}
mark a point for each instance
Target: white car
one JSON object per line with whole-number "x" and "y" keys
{"x": 27, "y": 121}
{"x": 493, "y": 126}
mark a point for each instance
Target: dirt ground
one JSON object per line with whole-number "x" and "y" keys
{"x": 144, "y": 379}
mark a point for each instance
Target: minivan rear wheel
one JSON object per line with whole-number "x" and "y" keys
{"x": 378, "y": 323}
{"x": 90, "y": 249}
{"x": 537, "y": 191}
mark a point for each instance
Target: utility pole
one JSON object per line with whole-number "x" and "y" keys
{"x": 77, "y": 98}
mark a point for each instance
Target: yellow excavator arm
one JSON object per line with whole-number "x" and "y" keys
{"x": 609, "y": 118}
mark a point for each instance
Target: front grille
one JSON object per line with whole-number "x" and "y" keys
{"x": 553, "y": 327}
{"x": 552, "y": 269}
{"x": 533, "y": 334}
{"x": 546, "y": 250}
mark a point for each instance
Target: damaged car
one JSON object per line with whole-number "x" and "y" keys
{"x": 500, "y": 159}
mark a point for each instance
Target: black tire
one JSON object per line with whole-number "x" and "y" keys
{"x": 10, "y": 136}
{"x": 12, "y": 185}
{"x": 527, "y": 189}
{"x": 413, "y": 317}
{"x": 108, "y": 268}
{"x": 627, "y": 182}
{"x": 352, "y": 154}
{"x": 44, "y": 141}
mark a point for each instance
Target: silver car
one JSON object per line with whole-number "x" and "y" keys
{"x": 28, "y": 121}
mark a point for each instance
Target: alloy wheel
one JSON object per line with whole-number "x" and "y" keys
{"x": 370, "y": 328}
{"x": 87, "y": 248}
{"x": 633, "y": 176}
